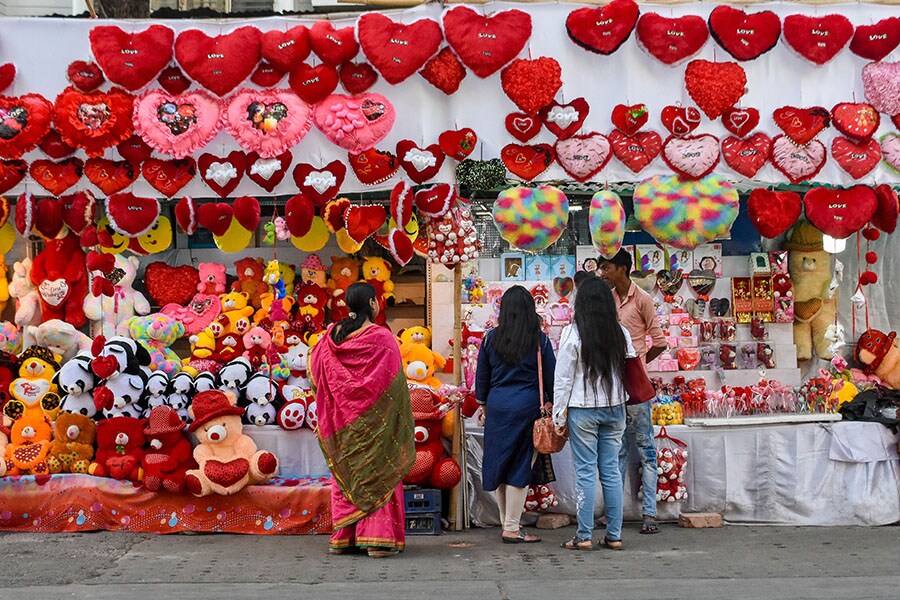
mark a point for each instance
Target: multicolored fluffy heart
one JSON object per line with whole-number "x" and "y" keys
{"x": 531, "y": 218}
{"x": 132, "y": 60}
{"x": 396, "y": 50}
{"x": 680, "y": 120}
{"x": 173, "y": 80}
{"x": 373, "y": 166}
{"x": 178, "y": 125}
{"x": 169, "y": 176}
{"x": 218, "y": 63}
{"x": 130, "y": 215}
{"x": 320, "y": 184}
{"x": 747, "y": 156}
{"x": 267, "y": 173}
{"x": 604, "y": 29}
{"x": 797, "y": 163}
{"x": 744, "y": 36}
{"x": 85, "y": 76}
{"x": 606, "y": 220}
{"x": 840, "y": 212}
{"x": 876, "y": 41}
{"x": 267, "y": 122}
{"x": 685, "y": 214}
{"x": 11, "y": 173}
{"x": 333, "y": 46}
{"x": 858, "y": 121}
{"x": 522, "y": 127}
{"x": 531, "y": 84}
{"x": 355, "y": 124}
{"x": 583, "y": 156}
{"x": 890, "y": 150}
{"x": 95, "y": 121}
{"x": 313, "y": 84}
{"x": 715, "y": 86}
{"x": 57, "y": 177}
{"x": 881, "y": 84}
{"x": 801, "y": 124}
{"x": 458, "y": 143}
{"x": 564, "y": 120}
{"x": 692, "y": 157}
{"x": 817, "y": 39}
{"x": 773, "y": 213}
{"x": 486, "y": 43}
{"x": 357, "y": 77}
{"x": 635, "y": 151}
{"x": 222, "y": 175}
{"x": 630, "y": 119}
{"x": 420, "y": 164}
{"x": 444, "y": 71}
{"x": 671, "y": 41}
{"x": 527, "y": 162}
{"x": 110, "y": 176}
{"x": 285, "y": 49}
{"x": 740, "y": 121}
{"x": 857, "y": 159}
{"x": 24, "y": 121}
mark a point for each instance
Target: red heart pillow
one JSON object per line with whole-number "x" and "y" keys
{"x": 603, "y": 29}
{"x": 420, "y": 164}
{"x": 859, "y": 121}
{"x": 313, "y": 84}
{"x": 130, "y": 215}
{"x": 630, "y": 119}
{"x": 170, "y": 285}
{"x": 132, "y": 60}
{"x": 486, "y": 43}
{"x": 817, "y": 39}
{"x": 186, "y": 214}
{"x": 801, "y": 125}
{"x": 744, "y": 36}
{"x": 24, "y": 121}
{"x": 266, "y": 76}
{"x": 840, "y": 212}
{"x": 363, "y": 221}
{"x": 299, "y": 212}
{"x": 222, "y": 175}
{"x": 444, "y": 71}
{"x": 173, "y": 80}
{"x": 134, "y": 150}
{"x": 747, "y": 156}
{"x": 215, "y": 216}
{"x": 285, "y": 49}
{"x": 79, "y": 210}
{"x": 459, "y": 143}
{"x": 218, "y": 63}
{"x": 7, "y": 76}
{"x": 671, "y": 41}
{"x": 57, "y": 177}
{"x": 527, "y": 162}
{"x": 635, "y": 151}
{"x": 680, "y": 120}
{"x": 564, "y": 120}
{"x": 715, "y": 86}
{"x": 531, "y": 84}
{"x": 169, "y": 176}
{"x": 267, "y": 173}
{"x": 885, "y": 217}
{"x": 397, "y": 50}
{"x": 53, "y": 146}
{"x": 401, "y": 203}
{"x": 110, "y": 176}
{"x": 95, "y": 121}
{"x": 876, "y": 41}
{"x": 773, "y": 213}
{"x": 740, "y": 121}
{"x": 373, "y": 166}
{"x": 247, "y": 212}
{"x": 320, "y": 184}
{"x": 333, "y": 46}
{"x": 433, "y": 202}
{"x": 857, "y": 159}
{"x": 333, "y": 214}
{"x": 11, "y": 173}
{"x": 357, "y": 77}
{"x": 86, "y": 76}
{"x": 522, "y": 127}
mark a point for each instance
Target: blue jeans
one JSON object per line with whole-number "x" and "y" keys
{"x": 595, "y": 435}
{"x": 639, "y": 430}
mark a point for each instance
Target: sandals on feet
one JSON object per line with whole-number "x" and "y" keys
{"x": 375, "y": 552}
{"x": 649, "y": 527}
{"x": 520, "y": 539}
{"x": 577, "y": 544}
{"x": 611, "y": 544}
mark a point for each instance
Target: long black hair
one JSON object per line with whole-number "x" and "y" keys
{"x": 518, "y": 331}
{"x": 359, "y": 298}
{"x": 602, "y": 338}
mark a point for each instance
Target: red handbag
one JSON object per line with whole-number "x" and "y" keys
{"x": 637, "y": 385}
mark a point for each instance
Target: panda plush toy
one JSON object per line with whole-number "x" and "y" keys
{"x": 76, "y": 383}
{"x": 262, "y": 396}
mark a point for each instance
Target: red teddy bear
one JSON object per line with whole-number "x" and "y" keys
{"x": 120, "y": 449}
{"x": 311, "y": 302}
{"x": 170, "y": 454}
{"x": 60, "y": 274}
{"x": 431, "y": 467}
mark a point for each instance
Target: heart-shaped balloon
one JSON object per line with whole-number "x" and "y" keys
{"x": 646, "y": 280}
{"x": 702, "y": 281}
{"x": 669, "y": 282}
{"x": 685, "y": 214}
{"x": 531, "y": 219}
{"x": 563, "y": 286}
{"x": 607, "y": 223}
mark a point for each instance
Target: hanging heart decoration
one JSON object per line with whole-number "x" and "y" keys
{"x": 420, "y": 164}
{"x": 134, "y": 150}
{"x": 801, "y": 125}
{"x": 363, "y": 221}
{"x": 53, "y": 146}
{"x": 817, "y": 39}
{"x": 522, "y": 127}
{"x": 630, "y": 119}
{"x": 95, "y": 121}
{"x": 267, "y": 173}
{"x": 531, "y": 219}
{"x": 434, "y": 201}
{"x": 320, "y": 184}
{"x": 444, "y": 71}
{"x": 299, "y": 212}
{"x": 48, "y": 221}
{"x": 7, "y": 76}
{"x": 840, "y": 212}
{"x": 773, "y": 213}
{"x": 222, "y": 175}
{"x": 178, "y": 125}
{"x": 603, "y": 29}
{"x": 680, "y": 120}
{"x": 57, "y": 177}
{"x": 744, "y": 36}
{"x": 606, "y": 220}
{"x": 79, "y": 210}
{"x": 267, "y": 122}
{"x": 486, "y": 43}
{"x": 186, "y": 215}
{"x": 459, "y": 143}
{"x": 747, "y": 156}
{"x": 266, "y": 76}
{"x": 646, "y": 280}
{"x": 876, "y": 41}
{"x": 669, "y": 282}
{"x": 356, "y": 124}
{"x": 218, "y": 63}
{"x": 401, "y": 203}
{"x": 25, "y": 121}
{"x": 671, "y": 41}
{"x": 881, "y": 84}
{"x": 357, "y": 77}
{"x": 216, "y": 217}
{"x": 285, "y": 49}
{"x": 373, "y": 166}
{"x": 333, "y": 46}
{"x": 635, "y": 151}
{"x": 857, "y": 121}
{"x": 397, "y": 50}
{"x": 85, "y": 76}
{"x": 173, "y": 80}
{"x": 247, "y": 212}
{"x": 692, "y": 157}
{"x": 856, "y": 159}
{"x": 583, "y": 156}
{"x": 130, "y": 215}
{"x": 110, "y": 176}
{"x": 132, "y": 60}
{"x": 715, "y": 86}
{"x": 527, "y": 162}
{"x": 333, "y": 214}
{"x": 885, "y": 217}
{"x": 797, "y": 163}
{"x": 564, "y": 120}
{"x": 313, "y": 84}
{"x": 25, "y": 210}
{"x": 890, "y": 151}
{"x": 11, "y": 173}
{"x": 686, "y": 214}
{"x": 740, "y": 121}
{"x": 169, "y": 176}
{"x": 531, "y": 84}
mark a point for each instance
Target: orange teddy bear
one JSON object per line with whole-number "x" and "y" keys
{"x": 27, "y": 451}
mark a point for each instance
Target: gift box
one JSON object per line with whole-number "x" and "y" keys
{"x": 778, "y": 260}
{"x": 759, "y": 264}
{"x": 677, "y": 318}
{"x": 763, "y": 298}
{"x": 742, "y": 299}
{"x": 667, "y": 363}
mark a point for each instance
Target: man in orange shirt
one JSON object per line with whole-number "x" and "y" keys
{"x": 638, "y": 314}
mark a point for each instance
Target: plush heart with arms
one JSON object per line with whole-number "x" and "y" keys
{"x": 267, "y": 122}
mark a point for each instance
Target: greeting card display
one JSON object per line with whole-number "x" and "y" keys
{"x": 537, "y": 268}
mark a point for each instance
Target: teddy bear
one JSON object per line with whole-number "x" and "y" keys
{"x": 33, "y": 393}
{"x": 123, "y": 366}
{"x": 212, "y": 279}
{"x": 295, "y": 359}
{"x": 344, "y": 272}
{"x": 202, "y": 358}
{"x": 28, "y": 300}
{"x": 29, "y": 444}
{"x": 880, "y": 354}
{"x": 430, "y": 466}
{"x": 236, "y": 314}
{"x": 228, "y": 346}
{"x": 270, "y": 310}
{"x": 61, "y": 338}
{"x": 420, "y": 363}
{"x": 73, "y": 446}
{"x": 288, "y": 276}
{"x": 416, "y": 335}
{"x": 60, "y": 275}
{"x": 311, "y": 302}
{"x": 108, "y": 313}
{"x": 377, "y": 272}
{"x": 120, "y": 449}
{"x": 258, "y": 348}
{"x": 156, "y": 333}
{"x": 169, "y": 455}
{"x": 815, "y": 304}
{"x": 250, "y": 279}
{"x": 313, "y": 271}
{"x": 227, "y": 459}
{"x": 76, "y": 382}
{"x": 261, "y": 394}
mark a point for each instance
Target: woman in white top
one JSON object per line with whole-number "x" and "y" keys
{"x": 589, "y": 395}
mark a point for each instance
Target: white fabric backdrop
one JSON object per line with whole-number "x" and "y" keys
{"x": 816, "y": 474}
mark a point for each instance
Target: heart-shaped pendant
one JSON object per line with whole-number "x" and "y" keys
{"x": 702, "y": 281}
{"x": 669, "y": 281}
{"x": 563, "y": 286}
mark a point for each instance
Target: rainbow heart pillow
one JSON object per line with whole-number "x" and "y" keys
{"x": 531, "y": 219}
{"x": 607, "y": 223}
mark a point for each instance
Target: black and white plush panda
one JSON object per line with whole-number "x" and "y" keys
{"x": 204, "y": 382}
{"x": 262, "y": 397}
{"x": 234, "y": 375}
{"x": 123, "y": 364}
{"x": 76, "y": 383}
{"x": 127, "y": 393}
{"x": 155, "y": 391}
{"x": 180, "y": 393}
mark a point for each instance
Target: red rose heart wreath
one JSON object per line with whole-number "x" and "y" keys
{"x": 218, "y": 63}
{"x": 396, "y": 50}
{"x": 95, "y": 121}
{"x": 485, "y": 44}
{"x": 744, "y": 36}
{"x": 24, "y": 121}
{"x": 444, "y": 71}
{"x": 171, "y": 285}
{"x": 531, "y": 84}
{"x": 132, "y": 60}
{"x": 671, "y": 41}
{"x": 604, "y": 29}
{"x": 817, "y": 39}
{"x": 169, "y": 176}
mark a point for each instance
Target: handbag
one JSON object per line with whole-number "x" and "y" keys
{"x": 547, "y": 438}
{"x": 637, "y": 385}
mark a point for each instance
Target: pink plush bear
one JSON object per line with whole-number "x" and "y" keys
{"x": 212, "y": 278}
{"x": 258, "y": 347}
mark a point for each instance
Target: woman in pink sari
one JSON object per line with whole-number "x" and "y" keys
{"x": 366, "y": 428}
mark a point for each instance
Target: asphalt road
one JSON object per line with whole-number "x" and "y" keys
{"x": 733, "y": 563}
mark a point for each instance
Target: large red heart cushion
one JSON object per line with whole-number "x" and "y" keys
{"x": 396, "y": 50}
{"x": 110, "y": 176}
{"x": 527, "y": 162}
{"x": 169, "y": 176}
{"x": 333, "y": 46}
{"x": 373, "y": 166}
{"x": 267, "y": 173}
{"x": 603, "y": 29}
{"x": 170, "y": 285}
{"x": 672, "y": 40}
{"x": 840, "y": 212}
{"x": 802, "y": 124}
{"x": 744, "y": 36}
{"x": 86, "y": 76}
{"x": 11, "y": 173}
{"x": 817, "y": 39}
{"x": 57, "y": 177}
{"x": 715, "y": 86}
{"x": 773, "y": 213}
{"x": 24, "y": 121}
{"x": 285, "y": 49}
{"x": 218, "y": 63}
{"x": 444, "y": 71}
{"x": 420, "y": 164}
{"x": 876, "y": 41}
{"x": 95, "y": 121}
{"x": 320, "y": 184}
{"x": 531, "y": 84}
{"x": 132, "y": 60}
{"x": 486, "y": 43}
{"x": 131, "y": 215}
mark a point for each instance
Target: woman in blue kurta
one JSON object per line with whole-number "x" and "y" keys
{"x": 506, "y": 383}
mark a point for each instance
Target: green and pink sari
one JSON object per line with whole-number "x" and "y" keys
{"x": 366, "y": 433}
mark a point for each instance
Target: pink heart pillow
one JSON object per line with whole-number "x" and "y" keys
{"x": 177, "y": 124}
{"x": 355, "y": 124}
{"x": 267, "y": 122}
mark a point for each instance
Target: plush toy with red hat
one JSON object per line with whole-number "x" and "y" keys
{"x": 879, "y": 353}
{"x": 60, "y": 274}
{"x": 431, "y": 466}
{"x": 169, "y": 454}
{"x": 227, "y": 459}
{"x": 120, "y": 449}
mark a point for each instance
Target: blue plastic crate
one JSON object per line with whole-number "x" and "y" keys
{"x": 422, "y": 501}
{"x": 423, "y": 523}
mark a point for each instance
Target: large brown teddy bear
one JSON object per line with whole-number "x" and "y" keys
{"x": 228, "y": 460}
{"x": 880, "y": 354}
{"x": 60, "y": 274}
{"x": 811, "y": 273}
{"x": 73, "y": 448}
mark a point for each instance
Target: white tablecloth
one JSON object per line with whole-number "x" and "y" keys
{"x": 844, "y": 473}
